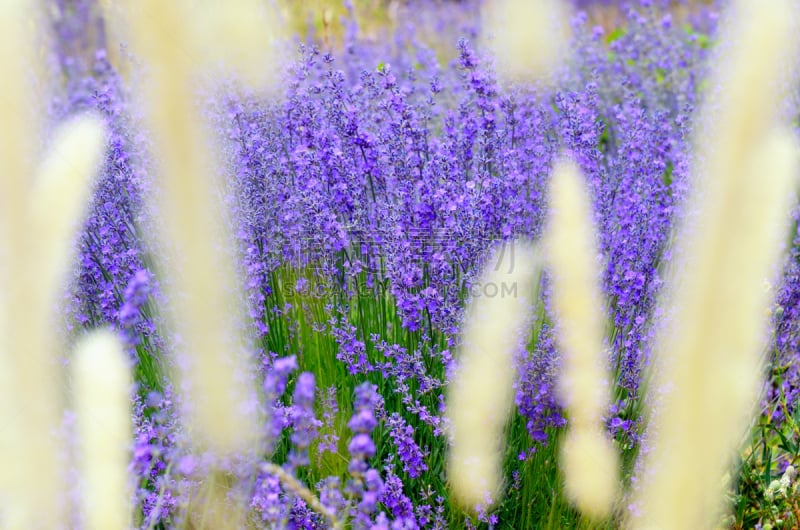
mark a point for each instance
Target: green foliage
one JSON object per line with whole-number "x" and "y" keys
{"x": 767, "y": 491}
{"x": 534, "y": 496}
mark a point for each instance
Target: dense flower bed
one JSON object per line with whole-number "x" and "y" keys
{"x": 365, "y": 197}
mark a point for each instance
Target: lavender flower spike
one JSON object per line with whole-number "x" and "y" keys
{"x": 716, "y": 302}
{"x": 590, "y": 461}
{"x": 481, "y": 394}
{"x": 102, "y": 383}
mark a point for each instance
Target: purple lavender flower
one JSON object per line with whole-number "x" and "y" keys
{"x": 267, "y": 500}
{"x": 382, "y": 175}
{"x": 408, "y": 451}
{"x": 329, "y": 440}
{"x": 303, "y": 420}
{"x": 277, "y": 375}
{"x": 134, "y": 298}
{"x": 361, "y": 447}
{"x": 159, "y": 493}
{"x": 363, "y": 421}
{"x": 365, "y": 484}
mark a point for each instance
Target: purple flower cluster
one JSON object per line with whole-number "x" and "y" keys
{"x": 408, "y": 451}
{"x": 397, "y": 177}
{"x": 111, "y": 249}
{"x": 304, "y": 422}
{"x": 365, "y": 485}
{"x": 157, "y": 463}
{"x": 784, "y": 386}
{"x": 329, "y": 439}
{"x": 365, "y": 198}
{"x": 274, "y": 386}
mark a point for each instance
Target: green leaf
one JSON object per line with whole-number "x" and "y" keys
{"x": 614, "y": 35}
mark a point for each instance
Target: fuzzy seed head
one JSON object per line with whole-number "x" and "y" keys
{"x": 481, "y": 394}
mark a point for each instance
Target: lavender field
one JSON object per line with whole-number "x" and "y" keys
{"x": 377, "y": 274}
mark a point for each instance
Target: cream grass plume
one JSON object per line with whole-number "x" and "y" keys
{"x": 102, "y": 400}
{"x": 480, "y": 396}
{"x": 39, "y": 238}
{"x": 200, "y": 267}
{"x": 708, "y": 362}
{"x": 589, "y": 459}
{"x": 41, "y": 207}
{"x": 529, "y": 38}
